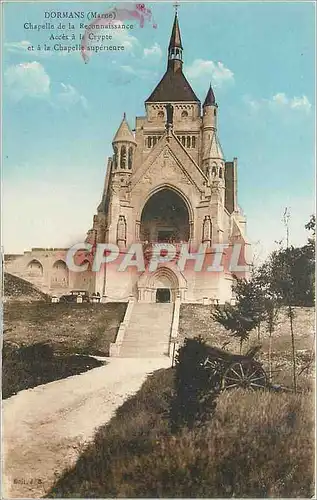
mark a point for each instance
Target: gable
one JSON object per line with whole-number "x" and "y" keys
{"x": 169, "y": 162}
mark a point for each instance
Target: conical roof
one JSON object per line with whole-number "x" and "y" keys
{"x": 175, "y": 40}
{"x": 210, "y": 97}
{"x": 124, "y": 132}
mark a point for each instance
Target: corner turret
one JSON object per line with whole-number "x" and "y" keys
{"x": 124, "y": 145}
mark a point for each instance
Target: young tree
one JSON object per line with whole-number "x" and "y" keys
{"x": 276, "y": 274}
{"x": 247, "y": 313}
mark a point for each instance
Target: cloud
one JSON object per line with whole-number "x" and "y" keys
{"x": 280, "y": 101}
{"x": 27, "y": 80}
{"x": 69, "y": 96}
{"x": 22, "y": 48}
{"x": 17, "y": 47}
{"x": 123, "y": 74}
{"x": 30, "y": 80}
{"x": 205, "y": 70}
{"x": 154, "y": 52}
{"x": 123, "y": 37}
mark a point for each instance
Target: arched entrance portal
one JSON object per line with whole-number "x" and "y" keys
{"x": 163, "y": 285}
{"x": 165, "y": 218}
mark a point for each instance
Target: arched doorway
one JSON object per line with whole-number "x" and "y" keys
{"x": 165, "y": 218}
{"x": 163, "y": 295}
{"x": 163, "y": 285}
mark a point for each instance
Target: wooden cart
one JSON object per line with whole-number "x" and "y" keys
{"x": 232, "y": 371}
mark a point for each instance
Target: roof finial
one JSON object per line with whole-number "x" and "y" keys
{"x": 124, "y": 116}
{"x": 176, "y": 5}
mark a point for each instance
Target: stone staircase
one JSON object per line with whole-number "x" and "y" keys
{"x": 148, "y": 332}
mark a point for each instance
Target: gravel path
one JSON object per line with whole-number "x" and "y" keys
{"x": 45, "y": 428}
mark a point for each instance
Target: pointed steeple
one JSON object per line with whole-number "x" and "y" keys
{"x": 124, "y": 132}
{"x": 174, "y": 86}
{"x": 175, "y": 48}
{"x": 175, "y": 40}
{"x": 210, "y": 98}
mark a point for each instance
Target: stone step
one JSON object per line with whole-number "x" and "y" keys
{"x": 156, "y": 345}
{"x": 147, "y": 352}
{"x": 143, "y": 355}
{"x": 148, "y": 331}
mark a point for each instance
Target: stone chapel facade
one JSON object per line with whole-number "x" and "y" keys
{"x": 167, "y": 181}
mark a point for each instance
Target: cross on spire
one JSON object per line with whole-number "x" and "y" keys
{"x": 176, "y": 5}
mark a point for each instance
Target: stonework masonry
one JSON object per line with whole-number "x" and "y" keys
{"x": 167, "y": 181}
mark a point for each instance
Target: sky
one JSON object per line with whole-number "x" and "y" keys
{"x": 60, "y": 114}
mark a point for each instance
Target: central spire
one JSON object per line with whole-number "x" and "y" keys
{"x": 174, "y": 87}
{"x": 175, "y": 48}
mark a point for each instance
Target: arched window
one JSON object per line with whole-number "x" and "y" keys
{"x": 193, "y": 141}
{"x": 115, "y": 157}
{"x": 188, "y": 141}
{"x": 35, "y": 268}
{"x": 215, "y": 112}
{"x": 220, "y": 173}
{"x": 184, "y": 114}
{"x": 149, "y": 142}
{"x": 123, "y": 159}
{"x": 130, "y": 158}
{"x": 214, "y": 171}
{"x": 183, "y": 140}
{"x": 154, "y": 141}
{"x": 59, "y": 276}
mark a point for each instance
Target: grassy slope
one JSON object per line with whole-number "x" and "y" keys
{"x": 69, "y": 328}
{"x": 257, "y": 445}
{"x": 196, "y": 319}
{"x": 66, "y": 328}
{"x": 18, "y": 289}
{"x": 24, "y": 368}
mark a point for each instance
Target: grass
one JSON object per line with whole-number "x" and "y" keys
{"x": 256, "y": 445}
{"x": 70, "y": 333}
{"x": 69, "y": 328}
{"x": 26, "y": 367}
{"x": 196, "y": 318}
{"x": 18, "y": 289}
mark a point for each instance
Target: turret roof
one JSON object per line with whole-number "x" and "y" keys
{"x": 210, "y": 97}
{"x": 124, "y": 132}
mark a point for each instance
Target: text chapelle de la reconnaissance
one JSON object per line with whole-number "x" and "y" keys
{"x": 92, "y": 37}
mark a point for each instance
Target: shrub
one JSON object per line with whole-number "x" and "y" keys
{"x": 194, "y": 398}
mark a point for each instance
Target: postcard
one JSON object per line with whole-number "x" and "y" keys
{"x": 158, "y": 249}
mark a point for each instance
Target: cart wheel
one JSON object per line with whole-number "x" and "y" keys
{"x": 214, "y": 365}
{"x": 244, "y": 375}
{"x": 215, "y": 370}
